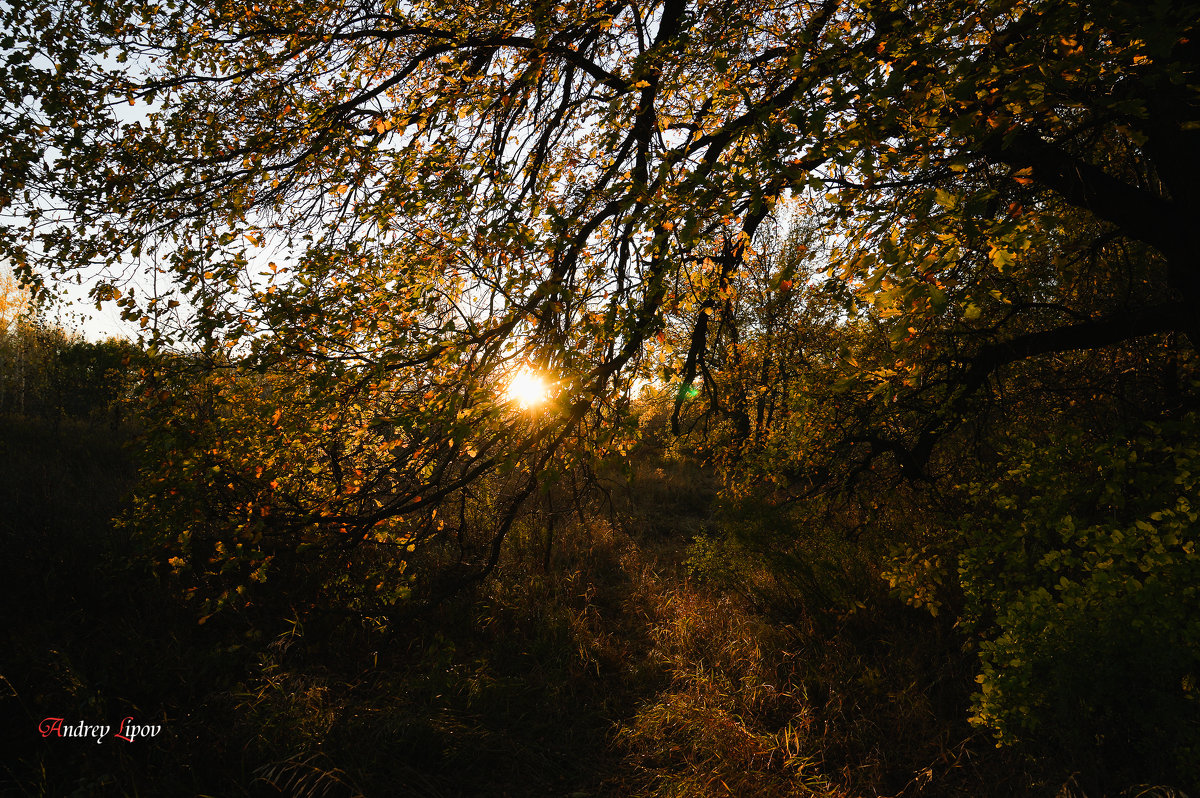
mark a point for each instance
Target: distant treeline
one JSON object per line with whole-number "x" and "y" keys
{"x": 50, "y": 372}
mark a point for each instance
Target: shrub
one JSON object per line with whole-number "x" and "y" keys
{"x": 1081, "y": 579}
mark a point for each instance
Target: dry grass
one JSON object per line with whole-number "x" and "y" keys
{"x": 723, "y": 725}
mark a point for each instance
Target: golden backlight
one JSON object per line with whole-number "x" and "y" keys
{"x": 527, "y": 389}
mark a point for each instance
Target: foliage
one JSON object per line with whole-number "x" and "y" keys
{"x": 48, "y": 371}
{"x": 14, "y": 301}
{"x": 421, "y": 197}
{"x": 297, "y": 492}
{"x": 1012, "y": 220}
{"x": 1079, "y": 571}
{"x": 1002, "y": 218}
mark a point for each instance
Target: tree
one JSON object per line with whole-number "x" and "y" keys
{"x": 456, "y": 189}
{"x": 1015, "y": 206}
{"x": 1032, "y": 206}
{"x": 14, "y": 301}
{"x": 449, "y": 189}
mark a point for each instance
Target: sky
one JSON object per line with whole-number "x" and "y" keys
{"x": 76, "y": 313}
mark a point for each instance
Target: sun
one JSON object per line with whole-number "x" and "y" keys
{"x": 527, "y": 389}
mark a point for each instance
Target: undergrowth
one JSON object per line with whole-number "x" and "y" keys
{"x": 651, "y": 654}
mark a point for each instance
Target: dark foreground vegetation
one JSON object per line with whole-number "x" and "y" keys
{"x": 667, "y": 640}
{"x": 636, "y": 664}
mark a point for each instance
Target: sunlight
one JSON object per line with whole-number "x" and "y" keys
{"x": 527, "y": 389}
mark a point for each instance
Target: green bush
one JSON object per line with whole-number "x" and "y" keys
{"x": 1080, "y": 577}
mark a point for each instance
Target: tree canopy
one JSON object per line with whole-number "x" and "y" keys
{"x": 359, "y": 217}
